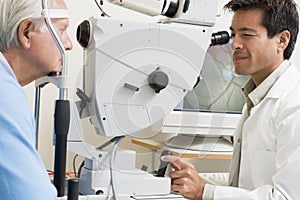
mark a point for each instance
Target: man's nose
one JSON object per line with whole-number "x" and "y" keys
{"x": 68, "y": 45}
{"x": 236, "y": 43}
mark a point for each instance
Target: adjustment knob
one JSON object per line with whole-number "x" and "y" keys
{"x": 158, "y": 80}
{"x": 163, "y": 165}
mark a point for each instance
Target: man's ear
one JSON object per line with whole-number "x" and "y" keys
{"x": 26, "y": 27}
{"x": 283, "y": 40}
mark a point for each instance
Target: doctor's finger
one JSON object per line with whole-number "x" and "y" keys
{"x": 172, "y": 161}
{"x": 177, "y": 188}
{"x": 178, "y": 174}
{"x": 176, "y": 161}
{"x": 180, "y": 181}
{"x": 187, "y": 172}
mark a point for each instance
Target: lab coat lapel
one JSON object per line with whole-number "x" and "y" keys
{"x": 235, "y": 161}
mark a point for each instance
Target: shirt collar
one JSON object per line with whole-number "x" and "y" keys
{"x": 256, "y": 94}
{"x": 5, "y": 64}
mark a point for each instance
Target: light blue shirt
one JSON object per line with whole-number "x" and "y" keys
{"x": 22, "y": 172}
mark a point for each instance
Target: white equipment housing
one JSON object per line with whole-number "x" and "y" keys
{"x": 129, "y": 180}
{"x": 121, "y": 58}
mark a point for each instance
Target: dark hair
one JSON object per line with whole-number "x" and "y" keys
{"x": 279, "y": 15}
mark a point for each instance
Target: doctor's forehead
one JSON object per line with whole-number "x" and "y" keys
{"x": 247, "y": 19}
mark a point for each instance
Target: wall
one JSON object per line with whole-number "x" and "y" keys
{"x": 80, "y": 10}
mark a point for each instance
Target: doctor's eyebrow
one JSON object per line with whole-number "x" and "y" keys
{"x": 243, "y": 29}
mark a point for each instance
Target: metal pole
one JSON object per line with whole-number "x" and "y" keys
{"x": 37, "y": 114}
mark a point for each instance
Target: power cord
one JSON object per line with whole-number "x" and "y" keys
{"x": 112, "y": 159}
{"x": 74, "y": 167}
{"x": 116, "y": 141}
{"x": 77, "y": 175}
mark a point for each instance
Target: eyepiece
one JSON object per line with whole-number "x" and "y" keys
{"x": 220, "y": 38}
{"x": 84, "y": 33}
{"x": 170, "y": 8}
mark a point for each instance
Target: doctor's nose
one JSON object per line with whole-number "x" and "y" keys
{"x": 236, "y": 43}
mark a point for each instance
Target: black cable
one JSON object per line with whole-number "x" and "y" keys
{"x": 112, "y": 158}
{"x": 74, "y": 167}
{"x": 79, "y": 170}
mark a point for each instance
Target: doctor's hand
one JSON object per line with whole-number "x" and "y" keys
{"x": 185, "y": 178}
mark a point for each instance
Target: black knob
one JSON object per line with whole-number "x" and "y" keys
{"x": 163, "y": 165}
{"x": 158, "y": 80}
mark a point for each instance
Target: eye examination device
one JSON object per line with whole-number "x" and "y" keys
{"x": 134, "y": 74}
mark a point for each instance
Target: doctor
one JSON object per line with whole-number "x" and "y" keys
{"x": 266, "y": 158}
{"x": 27, "y": 52}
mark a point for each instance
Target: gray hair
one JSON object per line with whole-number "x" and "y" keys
{"x": 13, "y": 12}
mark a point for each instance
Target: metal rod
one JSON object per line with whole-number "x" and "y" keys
{"x": 37, "y": 114}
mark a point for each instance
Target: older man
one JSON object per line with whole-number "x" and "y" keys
{"x": 27, "y": 52}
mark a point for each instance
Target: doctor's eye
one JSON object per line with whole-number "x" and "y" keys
{"x": 247, "y": 35}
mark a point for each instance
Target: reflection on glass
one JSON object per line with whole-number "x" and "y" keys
{"x": 220, "y": 87}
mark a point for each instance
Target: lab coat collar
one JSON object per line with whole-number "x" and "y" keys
{"x": 257, "y": 94}
{"x": 284, "y": 82}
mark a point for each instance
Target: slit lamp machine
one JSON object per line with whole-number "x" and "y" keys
{"x": 134, "y": 74}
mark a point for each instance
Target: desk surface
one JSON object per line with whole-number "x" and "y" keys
{"x": 184, "y": 153}
{"x": 147, "y": 197}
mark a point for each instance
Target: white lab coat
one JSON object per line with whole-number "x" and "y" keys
{"x": 270, "y": 164}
